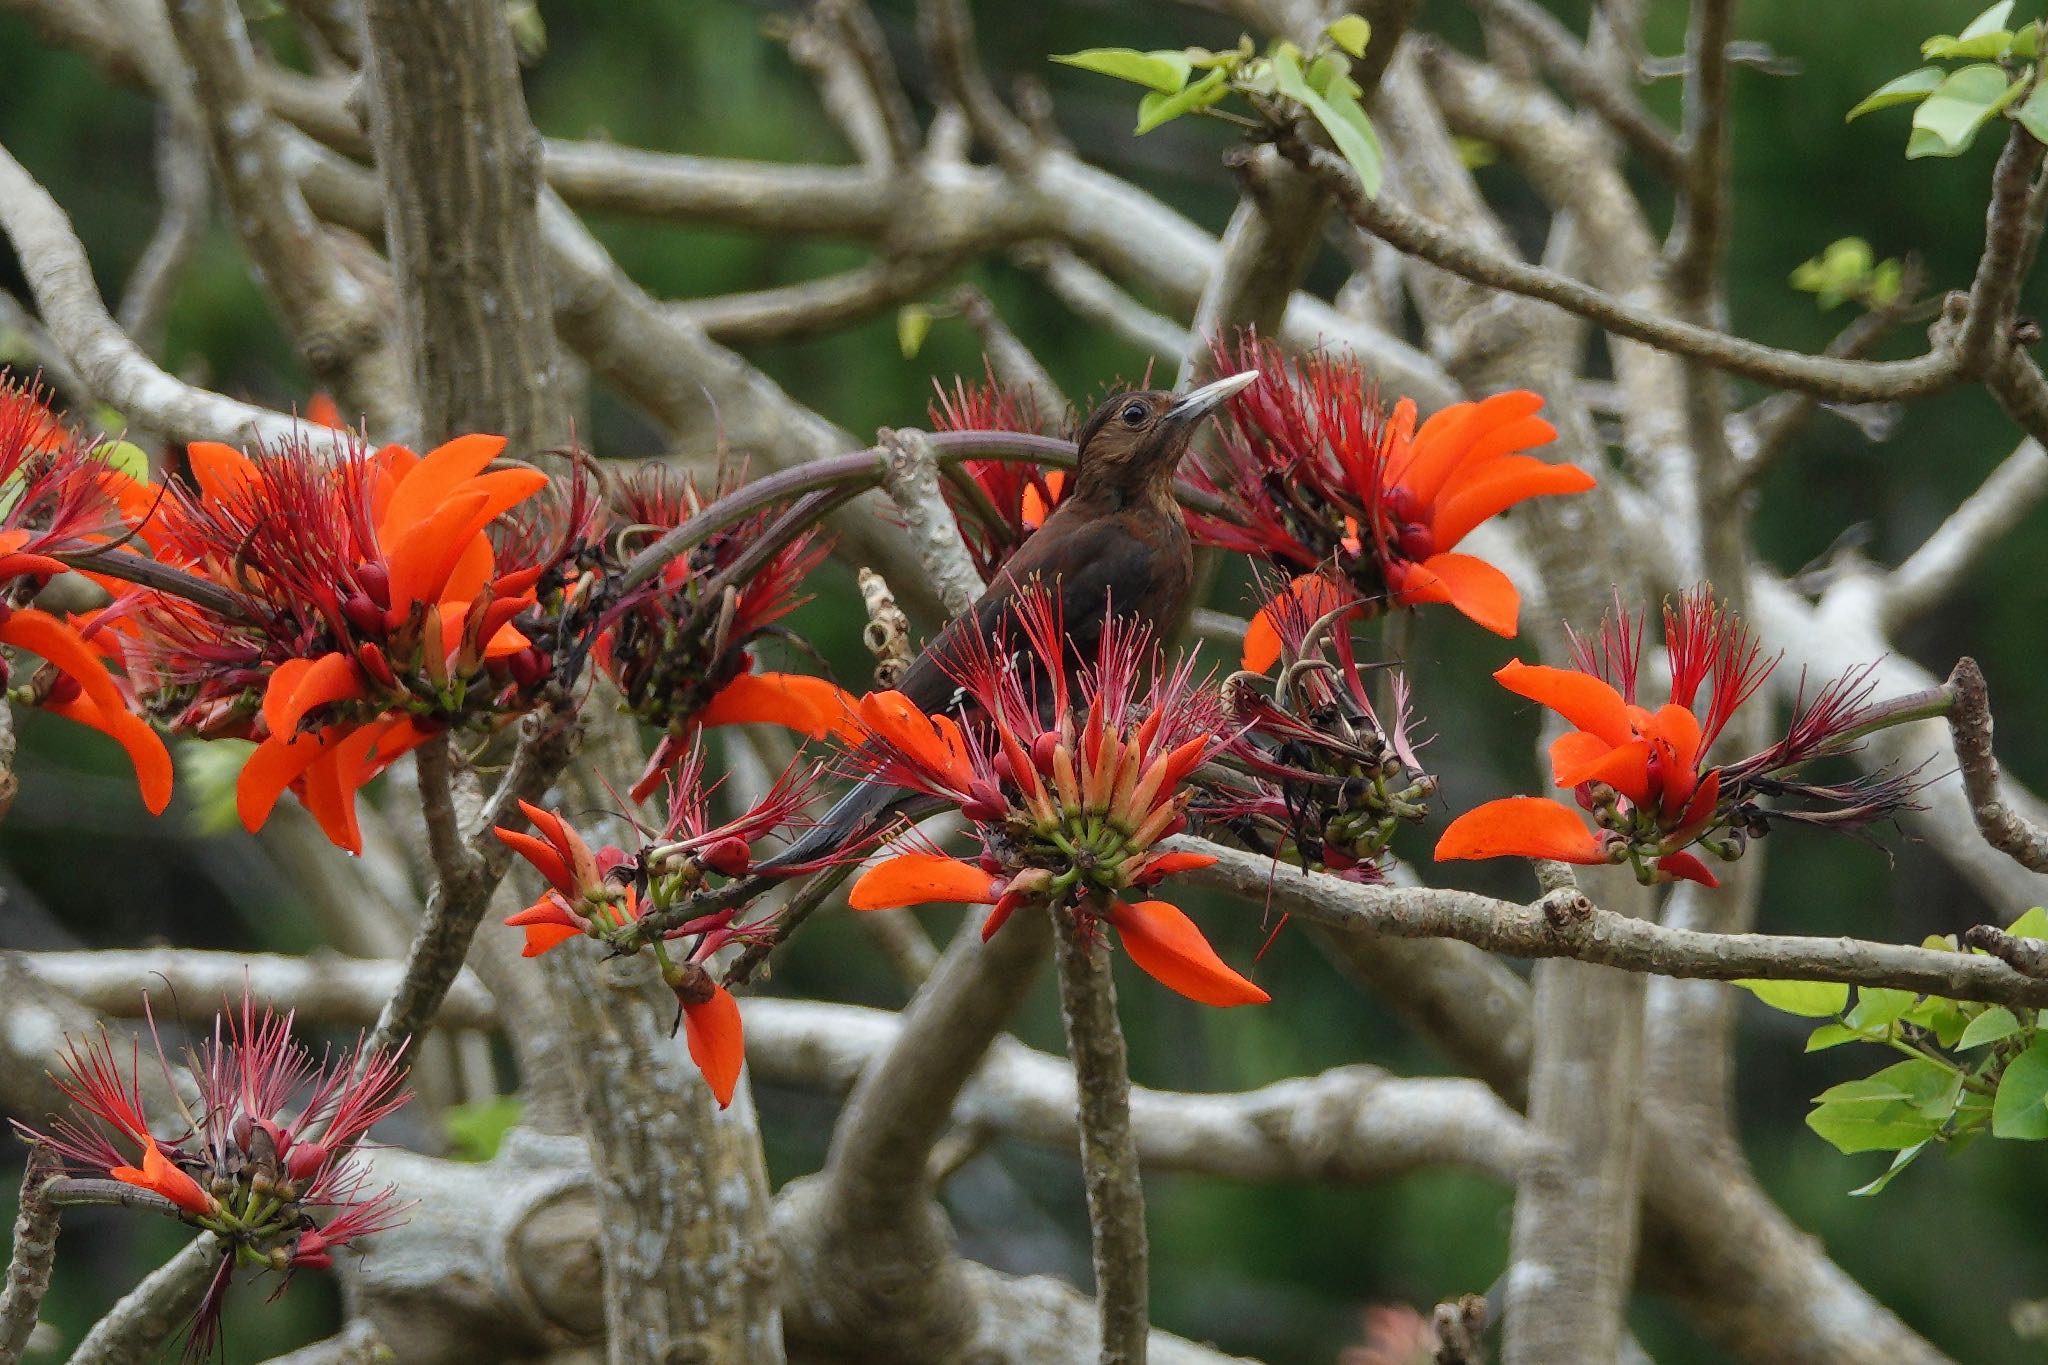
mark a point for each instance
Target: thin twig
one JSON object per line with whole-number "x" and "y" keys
{"x": 35, "y": 1249}
{"x": 1699, "y": 238}
{"x": 1109, "y": 1153}
{"x": 1969, "y": 722}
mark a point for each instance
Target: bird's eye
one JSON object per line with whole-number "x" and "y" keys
{"x": 1134, "y": 414}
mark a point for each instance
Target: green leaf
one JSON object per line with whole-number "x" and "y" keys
{"x": 2026, "y": 41}
{"x": 1996, "y": 43}
{"x": 2020, "y": 1109}
{"x": 2033, "y": 924}
{"x": 1905, "y": 1158}
{"x": 1914, "y": 85}
{"x": 475, "y": 1131}
{"x": 1945, "y": 1019}
{"x": 126, "y": 456}
{"x": 1878, "y": 1006}
{"x": 1475, "y": 152}
{"x": 1155, "y": 108}
{"x": 1834, "y": 1035}
{"x": 1162, "y": 71}
{"x": 1947, "y": 121}
{"x": 1991, "y": 20}
{"x": 1990, "y": 1026}
{"x": 913, "y": 325}
{"x": 1900, "y": 1105}
{"x": 1812, "y": 999}
{"x": 1330, "y": 71}
{"x": 1341, "y": 117}
{"x": 2032, "y": 113}
{"x": 1351, "y": 33}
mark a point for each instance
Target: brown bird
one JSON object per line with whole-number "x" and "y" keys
{"x": 1116, "y": 546}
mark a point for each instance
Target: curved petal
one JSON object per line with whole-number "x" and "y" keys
{"x": 161, "y": 1176}
{"x": 712, "y": 1030}
{"x": 934, "y": 742}
{"x": 1574, "y": 750}
{"x": 1261, "y": 641}
{"x": 1467, "y": 432}
{"x": 1686, "y": 866}
{"x": 1166, "y": 946}
{"x": 422, "y": 554}
{"x": 919, "y": 879}
{"x": 541, "y": 854}
{"x": 1482, "y": 492}
{"x": 1584, "y": 700}
{"x": 292, "y": 693}
{"x": 428, "y": 485}
{"x": 1310, "y": 596}
{"x": 541, "y": 937}
{"x": 797, "y": 700}
{"x": 1520, "y": 827}
{"x": 100, "y": 703}
{"x": 275, "y": 765}
{"x": 1625, "y": 767}
{"x": 221, "y": 471}
{"x": 1679, "y": 728}
{"x": 1482, "y": 592}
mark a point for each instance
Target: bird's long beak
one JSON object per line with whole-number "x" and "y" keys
{"x": 1192, "y": 407}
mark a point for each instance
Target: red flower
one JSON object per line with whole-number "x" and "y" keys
{"x": 1322, "y": 480}
{"x": 1643, "y": 774}
{"x": 57, "y": 497}
{"x": 1069, "y": 809}
{"x": 678, "y": 648}
{"x": 268, "y": 1157}
{"x": 376, "y": 612}
{"x": 1010, "y": 498}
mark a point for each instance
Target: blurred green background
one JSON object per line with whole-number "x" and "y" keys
{"x": 1278, "y": 1272}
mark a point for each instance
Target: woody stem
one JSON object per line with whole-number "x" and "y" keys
{"x": 1109, "y": 1154}
{"x": 1927, "y": 704}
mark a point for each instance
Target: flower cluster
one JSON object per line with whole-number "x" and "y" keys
{"x": 264, "y": 1153}
{"x": 58, "y": 495}
{"x": 1643, "y": 775}
{"x": 680, "y": 647}
{"x": 599, "y": 894}
{"x": 1321, "y": 481}
{"x": 1006, "y": 500}
{"x": 1328, "y": 780}
{"x": 373, "y": 609}
{"x": 1070, "y": 783}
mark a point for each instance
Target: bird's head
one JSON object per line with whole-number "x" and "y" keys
{"x": 1134, "y": 441}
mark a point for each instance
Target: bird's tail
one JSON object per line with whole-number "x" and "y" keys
{"x": 851, "y": 816}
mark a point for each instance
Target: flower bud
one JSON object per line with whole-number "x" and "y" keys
{"x": 729, "y": 856}
{"x": 375, "y": 581}
{"x": 363, "y": 615}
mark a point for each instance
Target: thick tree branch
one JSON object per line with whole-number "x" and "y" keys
{"x": 1970, "y": 723}
{"x": 323, "y": 989}
{"x": 135, "y": 1329}
{"x": 35, "y": 1249}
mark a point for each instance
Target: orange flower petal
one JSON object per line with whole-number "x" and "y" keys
{"x": 1165, "y": 864}
{"x": 291, "y": 693}
{"x": 424, "y": 553}
{"x": 542, "y": 855}
{"x": 712, "y": 1030}
{"x": 1678, "y": 727}
{"x": 1685, "y": 865}
{"x": 159, "y": 1174}
{"x": 1520, "y": 827}
{"x": 221, "y": 471}
{"x": 1574, "y": 750}
{"x": 427, "y": 486}
{"x": 1482, "y": 592}
{"x": 105, "y": 709}
{"x": 1584, "y": 700}
{"x": 797, "y": 700}
{"x": 1467, "y": 432}
{"x": 1625, "y": 767}
{"x": 1313, "y": 595}
{"x": 541, "y": 937}
{"x": 1168, "y": 947}
{"x": 275, "y": 765}
{"x": 920, "y": 878}
{"x": 898, "y": 722}
{"x": 1486, "y": 490}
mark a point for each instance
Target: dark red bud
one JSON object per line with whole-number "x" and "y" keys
{"x": 529, "y": 667}
{"x": 1402, "y": 504}
{"x": 304, "y": 1161}
{"x": 1004, "y": 770}
{"x": 1041, "y": 752}
{"x": 729, "y": 856}
{"x": 64, "y": 688}
{"x": 363, "y": 614}
{"x": 376, "y": 665}
{"x": 375, "y": 580}
{"x": 1177, "y": 825}
{"x": 1415, "y": 541}
{"x": 990, "y": 863}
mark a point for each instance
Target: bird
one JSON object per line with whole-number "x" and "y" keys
{"x": 1116, "y": 547}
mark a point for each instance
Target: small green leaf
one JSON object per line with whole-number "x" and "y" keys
{"x": 1914, "y": 85}
{"x": 1812, "y": 999}
{"x": 1947, "y": 121}
{"x": 1475, "y": 152}
{"x": 475, "y": 1131}
{"x": 1991, "y": 20}
{"x": 2032, "y": 112}
{"x": 1945, "y": 1019}
{"x": 1327, "y": 71}
{"x": 2020, "y": 1109}
{"x": 1878, "y": 1006}
{"x": 2033, "y": 924}
{"x": 2026, "y": 41}
{"x": 1853, "y": 1127}
{"x": 1996, "y": 43}
{"x": 1885, "y": 282}
{"x": 1155, "y": 108}
{"x": 126, "y": 456}
{"x": 1162, "y": 71}
{"x": 1834, "y": 1035}
{"x": 1900, "y": 1162}
{"x": 1990, "y": 1026}
{"x": 1900, "y": 1105}
{"x": 1351, "y": 33}
{"x": 913, "y": 325}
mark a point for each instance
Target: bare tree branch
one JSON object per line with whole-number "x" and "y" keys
{"x": 1935, "y": 571}
{"x": 35, "y": 1249}
{"x": 322, "y": 989}
{"x": 187, "y": 194}
{"x": 1970, "y": 722}
{"x": 135, "y": 1329}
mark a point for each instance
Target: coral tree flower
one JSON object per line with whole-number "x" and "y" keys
{"x": 1643, "y": 774}
{"x": 376, "y": 611}
{"x": 1325, "y": 482}
{"x": 678, "y": 648}
{"x": 598, "y": 893}
{"x": 267, "y": 1153}
{"x": 57, "y": 496}
{"x": 1010, "y": 498}
{"x": 1069, "y": 808}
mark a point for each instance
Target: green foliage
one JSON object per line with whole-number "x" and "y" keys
{"x": 1317, "y": 81}
{"x": 1848, "y": 269}
{"x": 475, "y": 1131}
{"x": 913, "y": 325}
{"x": 206, "y": 775}
{"x": 1952, "y": 106}
{"x": 1936, "y": 1095}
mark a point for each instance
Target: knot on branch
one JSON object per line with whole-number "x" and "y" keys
{"x": 887, "y": 634}
{"x": 1460, "y": 1326}
{"x": 1565, "y": 909}
{"x": 2027, "y": 956}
